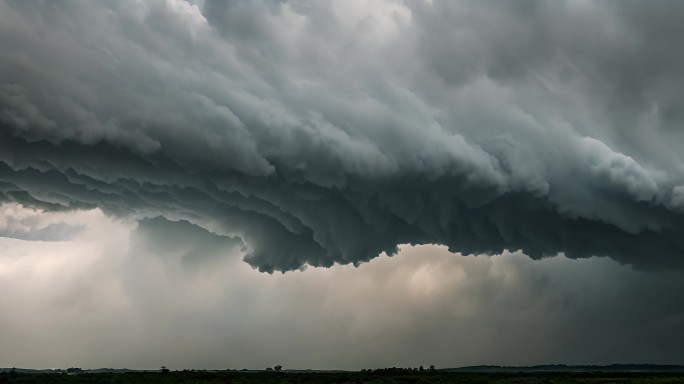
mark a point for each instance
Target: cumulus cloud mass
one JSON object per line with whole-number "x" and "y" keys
{"x": 312, "y": 133}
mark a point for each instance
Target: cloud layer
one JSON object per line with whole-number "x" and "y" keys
{"x": 323, "y": 133}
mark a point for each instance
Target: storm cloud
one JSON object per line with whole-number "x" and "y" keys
{"x": 314, "y": 133}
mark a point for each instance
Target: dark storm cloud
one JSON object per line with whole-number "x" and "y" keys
{"x": 330, "y": 132}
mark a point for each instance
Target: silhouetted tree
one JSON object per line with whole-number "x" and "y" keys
{"x": 432, "y": 367}
{"x": 421, "y": 368}
{"x": 278, "y": 368}
{"x": 163, "y": 369}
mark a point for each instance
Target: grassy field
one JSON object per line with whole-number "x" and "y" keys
{"x": 388, "y": 376}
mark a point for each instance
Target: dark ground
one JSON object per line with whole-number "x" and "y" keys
{"x": 379, "y": 376}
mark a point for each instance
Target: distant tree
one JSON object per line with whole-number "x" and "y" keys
{"x": 164, "y": 370}
{"x": 269, "y": 369}
{"x": 421, "y": 368}
{"x": 432, "y": 367}
{"x": 278, "y": 368}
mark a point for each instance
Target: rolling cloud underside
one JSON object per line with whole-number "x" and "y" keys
{"x": 329, "y": 132}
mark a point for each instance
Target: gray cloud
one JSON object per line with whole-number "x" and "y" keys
{"x": 324, "y": 133}
{"x": 19, "y": 223}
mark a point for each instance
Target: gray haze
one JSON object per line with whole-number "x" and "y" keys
{"x": 147, "y": 147}
{"x": 168, "y": 293}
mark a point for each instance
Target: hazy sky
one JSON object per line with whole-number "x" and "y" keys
{"x": 162, "y": 161}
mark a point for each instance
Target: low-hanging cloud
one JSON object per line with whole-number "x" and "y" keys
{"x": 330, "y": 132}
{"x": 19, "y": 223}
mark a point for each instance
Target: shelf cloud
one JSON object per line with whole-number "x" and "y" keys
{"x": 314, "y": 133}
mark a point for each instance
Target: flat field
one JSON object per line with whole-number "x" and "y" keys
{"x": 383, "y": 376}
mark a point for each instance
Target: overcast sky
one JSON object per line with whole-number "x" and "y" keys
{"x": 163, "y": 161}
